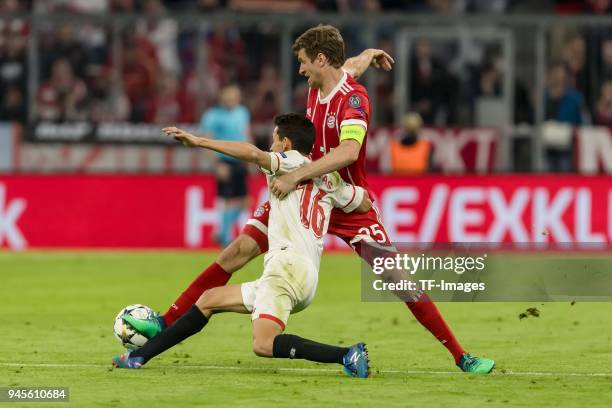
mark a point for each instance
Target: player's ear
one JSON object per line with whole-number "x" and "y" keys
{"x": 287, "y": 145}
{"x": 321, "y": 59}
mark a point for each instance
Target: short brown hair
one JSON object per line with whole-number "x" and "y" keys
{"x": 324, "y": 39}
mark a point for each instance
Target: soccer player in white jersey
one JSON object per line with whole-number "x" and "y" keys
{"x": 296, "y": 227}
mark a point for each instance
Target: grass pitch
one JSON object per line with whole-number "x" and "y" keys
{"x": 58, "y": 309}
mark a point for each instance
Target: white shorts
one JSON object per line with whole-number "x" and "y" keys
{"x": 287, "y": 285}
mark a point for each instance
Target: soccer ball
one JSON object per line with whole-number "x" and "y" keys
{"x": 125, "y": 333}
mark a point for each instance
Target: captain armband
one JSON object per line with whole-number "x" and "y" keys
{"x": 355, "y": 132}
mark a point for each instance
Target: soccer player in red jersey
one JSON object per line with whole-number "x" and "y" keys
{"x": 339, "y": 107}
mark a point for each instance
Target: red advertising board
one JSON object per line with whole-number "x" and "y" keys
{"x": 181, "y": 211}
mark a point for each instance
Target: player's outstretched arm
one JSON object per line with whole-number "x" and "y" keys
{"x": 344, "y": 155}
{"x": 356, "y": 66}
{"x": 240, "y": 150}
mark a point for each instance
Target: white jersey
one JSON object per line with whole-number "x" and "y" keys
{"x": 300, "y": 220}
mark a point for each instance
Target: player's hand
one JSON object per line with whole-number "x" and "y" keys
{"x": 180, "y": 135}
{"x": 380, "y": 59}
{"x": 283, "y": 185}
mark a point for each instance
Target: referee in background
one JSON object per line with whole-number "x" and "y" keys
{"x": 229, "y": 120}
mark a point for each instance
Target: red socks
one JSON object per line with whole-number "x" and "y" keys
{"x": 211, "y": 277}
{"x": 428, "y": 315}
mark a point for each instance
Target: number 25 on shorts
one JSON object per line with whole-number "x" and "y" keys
{"x": 376, "y": 232}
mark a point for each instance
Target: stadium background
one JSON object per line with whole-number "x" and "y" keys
{"x": 526, "y": 89}
{"x": 503, "y": 87}
{"x": 96, "y": 174}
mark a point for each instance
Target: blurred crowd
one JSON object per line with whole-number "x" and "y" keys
{"x": 422, "y": 6}
{"x": 157, "y": 80}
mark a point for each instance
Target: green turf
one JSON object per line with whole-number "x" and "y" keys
{"x": 58, "y": 308}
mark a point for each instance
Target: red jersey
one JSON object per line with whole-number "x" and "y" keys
{"x": 347, "y": 104}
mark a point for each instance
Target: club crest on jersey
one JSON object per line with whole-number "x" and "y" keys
{"x": 354, "y": 101}
{"x": 331, "y": 121}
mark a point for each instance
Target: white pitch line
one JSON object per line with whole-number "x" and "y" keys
{"x": 313, "y": 370}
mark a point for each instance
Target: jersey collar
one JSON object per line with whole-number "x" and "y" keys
{"x": 334, "y": 91}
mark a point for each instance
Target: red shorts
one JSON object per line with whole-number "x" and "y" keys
{"x": 352, "y": 228}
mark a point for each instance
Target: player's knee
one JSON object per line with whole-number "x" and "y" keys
{"x": 262, "y": 346}
{"x": 204, "y": 300}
